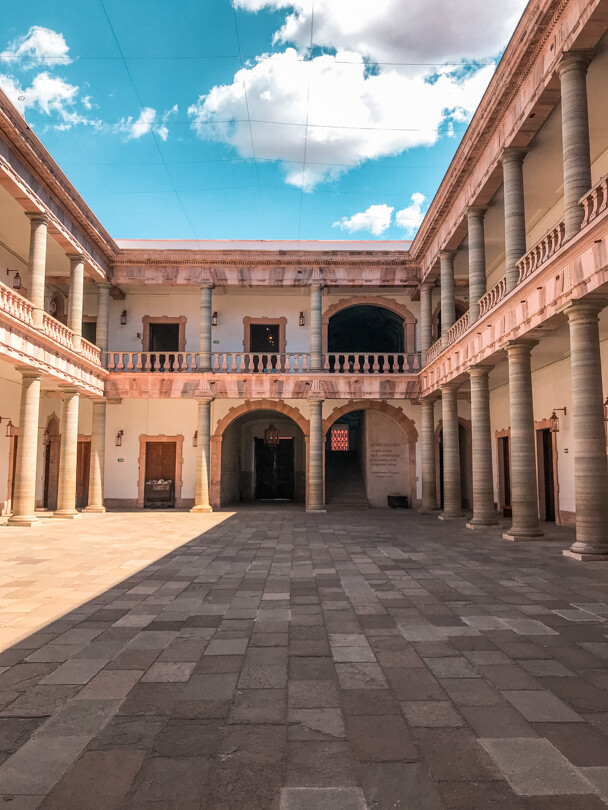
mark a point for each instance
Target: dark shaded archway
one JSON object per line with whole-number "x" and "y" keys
{"x": 366, "y": 328}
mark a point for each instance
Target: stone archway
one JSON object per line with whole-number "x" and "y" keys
{"x": 409, "y": 321}
{"x": 249, "y": 406}
{"x": 397, "y": 415}
{"x": 52, "y": 444}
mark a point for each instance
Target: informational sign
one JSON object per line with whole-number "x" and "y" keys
{"x": 385, "y": 459}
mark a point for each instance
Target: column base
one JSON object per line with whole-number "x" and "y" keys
{"x": 586, "y": 557}
{"x": 66, "y": 514}
{"x": 25, "y": 521}
{"x": 202, "y": 510}
{"x": 444, "y": 516}
{"x": 480, "y": 523}
{"x": 524, "y": 537}
{"x": 319, "y": 510}
{"x": 94, "y": 509}
{"x": 432, "y": 510}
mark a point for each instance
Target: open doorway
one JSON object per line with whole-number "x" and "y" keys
{"x": 83, "y": 466}
{"x": 504, "y": 475}
{"x": 274, "y": 470}
{"x": 345, "y": 462}
{"x": 547, "y": 467}
{"x": 51, "y": 464}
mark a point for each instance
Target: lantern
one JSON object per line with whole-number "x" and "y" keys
{"x": 301, "y": 319}
{"x": 123, "y": 318}
{"x": 118, "y": 440}
{"x": 555, "y": 421}
{"x": 214, "y": 318}
{"x": 195, "y": 439}
{"x": 271, "y": 436}
{"x": 10, "y": 428}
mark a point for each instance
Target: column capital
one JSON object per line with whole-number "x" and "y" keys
{"x": 318, "y": 283}
{"x": 207, "y": 285}
{"x": 449, "y": 388}
{"x": 427, "y": 286}
{"x": 476, "y": 211}
{"x": 103, "y": 285}
{"x": 37, "y": 216}
{"x": 513, "y": 154}
{"x": 69, "y": 389}
{"x": 76, "y": 257}
{"x": 314, "y": 398}
{"x": 481, "y": 370}
{"x": 585, "y": 309}
{"x": 523, "y": 346}
{"x": 207, "y": 400}
{"x": 447, "y": 255}
{"x": 574, "y": 60}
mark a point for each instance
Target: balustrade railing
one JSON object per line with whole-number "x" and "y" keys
{"x": 15, "y": 305}
{"x": 542, "y": 251}
{"x": 492, "y": 297}
{"x": 595, "y": 201}
{"x": 365, "y": 363}
{"x": 57, "y": 331}
{"x": 459, "y": 328}
{"x": 90, "y": 352}
{"x": 259, "y": 362}
{"x": 434, "y": 352}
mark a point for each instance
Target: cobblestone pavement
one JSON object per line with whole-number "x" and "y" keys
{"x": 274, "y": 660}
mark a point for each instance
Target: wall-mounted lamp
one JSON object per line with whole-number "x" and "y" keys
{"x": 123, "y": 318}
{"x": 16, "y": 279}
{"x": 10, "y": 428}
{"x": 195, "y": 439}
{"x": 272, "y": 436}
{"x": 118, "y": 439}
{"x": 555, "y": 420}
{"x": 214, "y": 318}
{"x": 301, "y": 320}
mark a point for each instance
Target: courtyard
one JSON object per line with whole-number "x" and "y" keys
{"x": 271, "y": 659}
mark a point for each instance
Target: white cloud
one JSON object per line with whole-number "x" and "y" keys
{"x": 353, "y": 115}
{"x": 411, "y": 217}
{"x": 48, "y": 94}
{"x": 40, "y": 46}
{"x": 148, "y": 121}
{"x": 394, "y": 31}
{"x": 376, "y": 220}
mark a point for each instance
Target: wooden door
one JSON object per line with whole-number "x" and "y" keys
{"x": 51, "y": 472}
{"x": 83, "y": 464}
{"x": 160, "y": 461}
{"x": 13, "y": 462}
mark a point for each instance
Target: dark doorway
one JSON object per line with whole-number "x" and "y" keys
{"x": 83, "y": 464}
{"x": 504, "y": 471}
{"x": 51, "y": 466}
{"x": 15, "y": 447}
{"x": 546, "y": 477}
{"x": 365, "y": 329}
{"x": 274, "y": 470}
{"x": 344, "y": 460}
{"x": 264, "y": 337}
{"x": 159, "y": 489}
{"x": 164, "y": 337}
{"x": 89, "y": 331}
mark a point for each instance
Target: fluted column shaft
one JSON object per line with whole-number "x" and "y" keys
{"x": 590, "y": 467}
{"x": 315, "y": 458}
{"x": 448, "y": 300}
{"x": 68, "y": 456}
{"x": 98, "y": 455}
{"x": 316, "y": 313}
{"x": 484, "y": 513}
{"x": 102, "y": 327}
{"x": 429, "y": 472}
{"x": 572, "y": 71}
{"x": 452, "y": 492}
{"x": 477, "y": 260}
{"x": 203, "y": 457}
{"x": 426, "y": 321}
{"x": 75, "y": 299}
{"x": 524, "y": 497}
{"x": 24, "y": 501}
{"x": 515, "y": 213}
{"x": 205, "y": 328}
{"x": 37, "y": 265}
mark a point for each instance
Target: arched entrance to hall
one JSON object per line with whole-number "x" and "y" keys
{"x": 246, "y": 469}
{"x": 466, "y": 462}
{"x": 370, "y": 448}
{"x": 52, "y": 445}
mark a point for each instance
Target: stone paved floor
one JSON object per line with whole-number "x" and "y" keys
{"x": 273, "y": 660}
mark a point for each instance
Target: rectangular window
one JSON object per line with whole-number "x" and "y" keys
{"x": 340, "y": 438}
{"x": 264, "y": 337}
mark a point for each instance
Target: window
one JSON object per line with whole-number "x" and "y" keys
{"x": 89, "y": 330}
{"x": 340, "y": 438}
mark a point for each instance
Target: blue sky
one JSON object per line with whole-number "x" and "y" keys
{"x": 253, "y": 119}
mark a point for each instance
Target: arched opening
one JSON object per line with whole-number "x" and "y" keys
{"x": 52, "y": 443}
{"x": 460, "y": 308}
{"x": 466, "y": 485}
{"x": 257, "y": 466}
{"x": 366, "y": 328}
{"x": 370, "y": 453}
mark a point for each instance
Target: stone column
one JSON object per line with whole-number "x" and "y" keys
{"x": 24, "y": 501}
{"x": 426, "y": 321}
{"x": 572, "y": 72}
{"x": 102, "y": 326}
{"x": 98, "y": 455}
{"x": 204, "y": 362}
{"x": 316, "y": 339}
{"x": 203, "y": 457}
{"x": 66, "y": 495}
{"x": 477, "y": 260}
{"x": 515, "y": 213}
{"x": 315, "y": 458}
{"x": 37, "y": 264}
{"x": 484, "y": 513}
{"x": 524, "y": 495}
{"x": 448, "y": 302}
{"x": 429, "y": 473}
{"x": 590, "y": 468}
{"x": 75, "y": 298}
{"x": 452, "y": 492}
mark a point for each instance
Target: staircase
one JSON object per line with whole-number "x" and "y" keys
{"x": 344, "y": 488}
